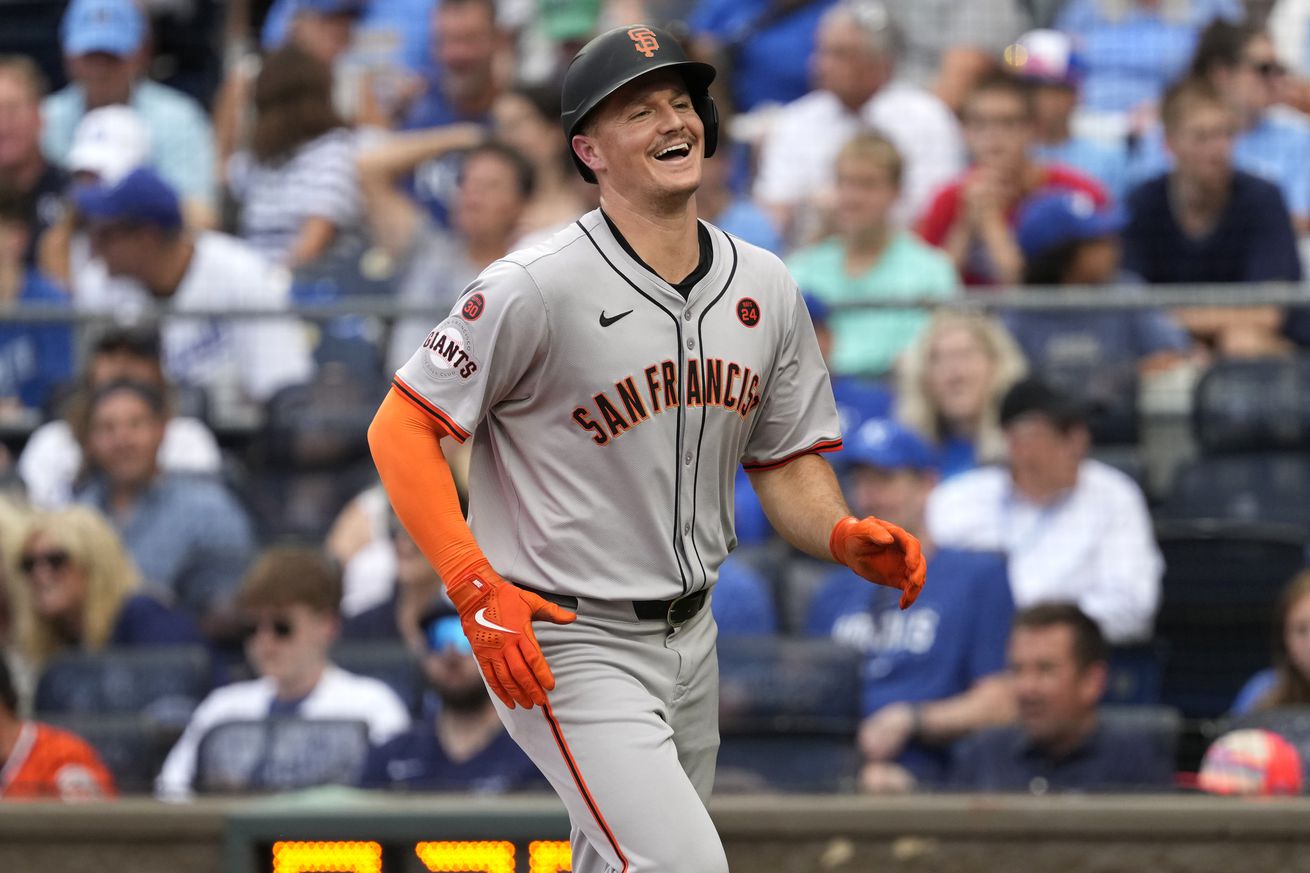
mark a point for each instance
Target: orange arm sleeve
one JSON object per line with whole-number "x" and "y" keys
{"x": 404, "y": 442}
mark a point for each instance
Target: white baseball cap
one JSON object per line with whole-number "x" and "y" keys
{"x": 109, "y": 142}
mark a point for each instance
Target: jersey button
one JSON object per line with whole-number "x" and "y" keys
{"x": 686, "y": 528}
{"x": 686, "y": 316}
{"x": 691, "y": 343}
{"x": 686, "y": 459}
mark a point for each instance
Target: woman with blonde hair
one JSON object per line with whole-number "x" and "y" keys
{"x": 1287, "y": 683}
{"x": 73, "y": 586}
{"x": 950, "y": 383}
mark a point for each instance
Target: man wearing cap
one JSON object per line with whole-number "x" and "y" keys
{"x": 23, "y": 167}
{"x": 105, "y": 44}
{"x": 934, "y": 673}
{"x": 1075, "y": 530}
{"x": 136, "y": 233}
{"x": 1067, "y": 239}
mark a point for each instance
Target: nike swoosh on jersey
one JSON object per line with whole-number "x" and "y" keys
{"x": 606, "y": 322}
{"x": 481, "y": 618}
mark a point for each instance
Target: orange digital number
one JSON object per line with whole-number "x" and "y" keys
{"x": 327, "y": 857}
{"x": 450, "y": 856}
{"x": 550, "y": 856}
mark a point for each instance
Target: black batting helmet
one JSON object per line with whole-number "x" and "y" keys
{"x": 619, "y": 56}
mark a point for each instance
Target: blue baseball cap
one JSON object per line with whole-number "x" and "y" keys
{"x": 277, "y": 22}
{"x": 140, "y": 196}
{"x": 116, "y": 27}
{"x": 1059, "y": 217}
{"x": 889, "y": 445}
{"x": 817, "y": 308}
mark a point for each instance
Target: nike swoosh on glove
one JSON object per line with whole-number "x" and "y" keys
{"x": 497, "y": 619}
{"x": 880, "y": 552}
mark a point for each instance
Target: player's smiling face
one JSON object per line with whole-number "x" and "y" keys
{"x": 646, "y": 137}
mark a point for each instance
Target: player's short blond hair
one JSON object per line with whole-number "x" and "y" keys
{"x": 871, "y": 146}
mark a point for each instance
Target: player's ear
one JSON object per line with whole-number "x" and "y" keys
{"x": 585, "y": 148}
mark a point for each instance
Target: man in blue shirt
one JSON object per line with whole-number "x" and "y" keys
{"x": 461, "y": 744}
{"x": 34, "y": 357}
{"x": 1206, "y": 221}
{"x": 1058, "y": 668}
{"x": 932, "y": 673}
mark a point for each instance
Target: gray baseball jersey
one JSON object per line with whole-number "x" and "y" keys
{"x": 610, "y": 414}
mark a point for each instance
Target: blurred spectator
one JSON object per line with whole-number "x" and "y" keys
{"x": 932, "y": 673}
{"x": 949, "y": 46}
{"x": 434, "y": 266}
{"x": 1052, "y": 62}
{"x": 868, "y": 259}
{"x": 23, "y": 168}
{"x": 290, "y": 599}
{"x": 188, "y": 534}
{"x": 1206, "y": 221}
{"x": 1271, "y": 141}
{"x": 1057, "y": 660}
{"x": 1134, "y": 49}
{"x": 1075, "y": 530}
{"x": 1287, "y": 683}
{"x": 416, "y": 592}
{"x": 527, "y": 120}
{"x": 51, "y": 463}
{"x": 950, "y": 384}
{"x": 972, "y": 219}
{"x": 41, "y": 762}
{"x": 78, "y": 590}
{"x": 853, "y": 70}
{"x": 761, "y": 46}
{"x": 461, "y": 744}
{"x": 106, "y": 52}
{"x": 320, "y": 28}
{"x": 36, "y": 358}
{"x": 296, "y": 185}
{"x": 1066, "y": 240}
{"x": 461, "y": 90}
{"x": 13, "y": 520}
{"x": 136, "y": 231}
{"x": 743, "y": 601}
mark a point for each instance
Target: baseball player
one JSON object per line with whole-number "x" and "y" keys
{"x": 612, "y": 380}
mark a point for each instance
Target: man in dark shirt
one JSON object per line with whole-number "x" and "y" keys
{"x": 461, "y": 744}
{"x": 1207, "y": 222}
{"x": 1058, "y": 666}
{"x": 22, "y": 166}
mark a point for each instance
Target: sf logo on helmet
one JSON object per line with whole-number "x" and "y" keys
{"x": 644, "y": 40}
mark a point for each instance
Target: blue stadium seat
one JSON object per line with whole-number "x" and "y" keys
{"x": 280, "y": 754}
{"x": 1258, "y": 405}
{"x": 161, "y": 683}
{"x": 389, "y": 662}
{"x": 1159, "y": 728}
{"x": 1135, "y": 674}
{"x": 1221, "y": 586}
{"x": 1251, "y": 487}
{"x": 133, "y": 747}
{"x": 788, "y": 712}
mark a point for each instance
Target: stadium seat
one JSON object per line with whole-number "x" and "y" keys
{"x": 133, "y": 747}
{"x": 1292, "y": 723}
{"x": 789, "y": 709}
{"x": 1158, "y": 727}
{"x": 280, "y": 754}
{"x": 1135, "y": 674}
{"x": 1221, "y": 586}
{"x": 389, "y": 662}
{"x": 1250, "y": 487}
{"x": 160, "y": 683}
{"x": 1253, "y": 406}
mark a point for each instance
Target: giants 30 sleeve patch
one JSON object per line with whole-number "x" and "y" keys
{"x": 449, "y": 350}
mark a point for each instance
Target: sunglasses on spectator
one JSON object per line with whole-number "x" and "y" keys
{"x": 56, "y": 561}
{"x": 443, "y": 632}
{"x": 281, "y": 627}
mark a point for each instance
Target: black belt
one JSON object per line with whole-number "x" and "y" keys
{"x": 676, "y": 612}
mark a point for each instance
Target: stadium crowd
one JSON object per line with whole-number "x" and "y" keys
{"x": 200, "y": 576}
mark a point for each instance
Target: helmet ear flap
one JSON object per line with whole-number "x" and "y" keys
{"x": 709, "y": 116}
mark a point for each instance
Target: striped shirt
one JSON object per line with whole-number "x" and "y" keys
{"x": 318, "y": 181}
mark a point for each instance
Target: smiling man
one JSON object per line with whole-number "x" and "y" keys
{"x": 615, "y": 377}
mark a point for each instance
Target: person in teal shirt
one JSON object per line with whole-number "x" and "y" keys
{"x": 869, "y": 258}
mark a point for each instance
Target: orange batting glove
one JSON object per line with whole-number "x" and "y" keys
{"x": 880, "y": 552}
{"x": 497, "y": 619}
